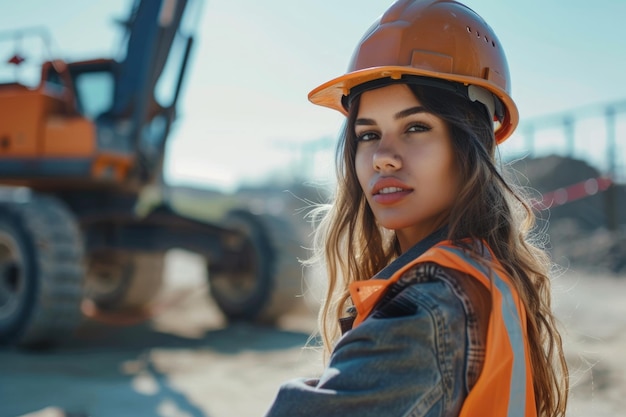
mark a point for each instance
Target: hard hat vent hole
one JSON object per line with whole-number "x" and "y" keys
{"x": 469, "y": 30}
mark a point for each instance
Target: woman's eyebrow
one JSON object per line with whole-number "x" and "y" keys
{"x": 364, "y": 122}
{"x": 408, "y": 112}
{"x": 400, "y": 115}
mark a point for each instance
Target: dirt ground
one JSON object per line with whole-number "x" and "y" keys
{"x": 187, "y": 362}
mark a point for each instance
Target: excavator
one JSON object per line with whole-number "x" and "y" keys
{"x": 77, "y": 152}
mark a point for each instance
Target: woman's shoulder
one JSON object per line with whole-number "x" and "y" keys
{"x": 460, "y": 296}
{"x": 472, "y": 294}
{"x": 463, "y": 285}
{"x": 421, "y": 286}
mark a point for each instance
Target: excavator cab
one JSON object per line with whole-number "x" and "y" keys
{"x": 76, "y": 152}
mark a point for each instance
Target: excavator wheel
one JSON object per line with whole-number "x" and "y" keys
{"x": 264, "y": 281}
{"x": 119, "y": 281}
{"x": 41, "y": 272}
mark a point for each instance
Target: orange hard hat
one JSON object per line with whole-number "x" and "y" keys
{"x": 441, "y": 43}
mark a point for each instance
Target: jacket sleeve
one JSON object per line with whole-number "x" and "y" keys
{"x": 406, "y": 359}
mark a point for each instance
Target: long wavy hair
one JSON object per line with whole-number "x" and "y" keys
{"x": 352, "y": 246}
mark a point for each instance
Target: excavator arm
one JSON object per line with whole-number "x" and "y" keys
{"x": 140, "y": 122}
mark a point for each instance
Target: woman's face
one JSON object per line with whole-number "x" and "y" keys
{"x": 405, "y": 163}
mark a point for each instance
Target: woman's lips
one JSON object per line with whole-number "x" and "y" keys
{"x": 389, "y": 191}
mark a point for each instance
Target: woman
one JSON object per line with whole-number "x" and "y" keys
{"x": 442, "y": 299}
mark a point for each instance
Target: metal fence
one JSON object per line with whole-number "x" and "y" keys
{"x": 595, "y": 134}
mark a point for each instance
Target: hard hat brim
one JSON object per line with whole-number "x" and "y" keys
{"x": 330, "y": 93}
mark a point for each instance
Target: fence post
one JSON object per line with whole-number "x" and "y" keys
{"x": 611, "y": 193}
{"x": 568, "y": 125}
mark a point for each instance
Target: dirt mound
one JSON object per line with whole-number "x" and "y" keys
{"x": 588, "y": 231}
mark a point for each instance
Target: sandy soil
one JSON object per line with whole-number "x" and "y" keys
{"x": 187, "y": 362}
{"x": 592, "y": 311}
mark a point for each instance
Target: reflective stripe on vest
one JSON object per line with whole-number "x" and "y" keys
{"x": 504, "y": 387}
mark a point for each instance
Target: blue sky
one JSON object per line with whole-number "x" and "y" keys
{"x": 244, "y": 108}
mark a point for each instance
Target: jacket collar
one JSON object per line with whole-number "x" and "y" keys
{"x": 414, "y": 252}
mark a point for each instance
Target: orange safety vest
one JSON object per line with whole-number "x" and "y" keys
{"x": 505, "y": 386}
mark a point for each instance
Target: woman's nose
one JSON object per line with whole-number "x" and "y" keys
{"x": 386, "y": 156}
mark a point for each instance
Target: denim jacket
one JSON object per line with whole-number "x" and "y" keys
{"x": 417, "y": 354}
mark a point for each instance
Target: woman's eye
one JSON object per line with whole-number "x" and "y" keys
{"x": 418, "y": 127}
{"x": 366, "y": 136}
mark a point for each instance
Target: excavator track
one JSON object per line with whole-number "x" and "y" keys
{"x": 266, "y": 281}
{"x": 118, "y": 281}
{"x": 41, "y": 255}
